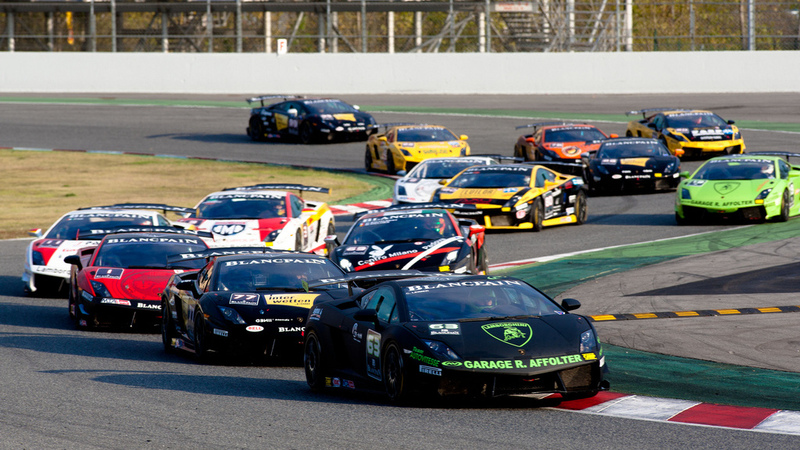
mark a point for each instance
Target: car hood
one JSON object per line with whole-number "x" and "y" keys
{"x": 236, "y": 228}
{"x": 420, "y": 255}
{"x": 727, "y": 193}
{"x": 132, "y": 284}
{"x": 532, "y": 344}
{"x": 572, "y": 150}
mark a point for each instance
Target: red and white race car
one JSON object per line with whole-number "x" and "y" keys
{"x": 45, "y": 270}
{"x": 265, "y": 215}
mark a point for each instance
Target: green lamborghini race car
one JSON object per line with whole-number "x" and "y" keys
{"x": 748, "y": 187}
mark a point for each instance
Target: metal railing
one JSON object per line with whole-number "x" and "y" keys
{"x": 366, "y": 26}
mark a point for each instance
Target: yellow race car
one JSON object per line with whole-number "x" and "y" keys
{"x": 694, "y": 131}
{"x": 403, "y": 145}
{"x": 517, "y": 196}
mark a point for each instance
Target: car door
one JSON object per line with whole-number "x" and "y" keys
{"x": 551, "y": 195}
{"x": 367, "y": 335}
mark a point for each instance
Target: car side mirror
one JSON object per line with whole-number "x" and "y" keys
{"x": 463, "y": 137}
{"x": 402, "y": 173}
{"x": 685, "y": 174}
{"x": 332, "y": 239}
{"x": 651, "y": 125}
{"x": 476, "y": 229}
{"x": 731, "y": 122}
{"x": 382, "y": 138}
{"x": 185, "y": 285}
{"x": 36, "y": 232}
{"x": 366, "y": 315}
{"x": 570, "y": 304}
{"x": 292, "y": 112}
{"x": 613, "y": 136}
{"x": 679, "y": 152}
{"x": 75, "y": 260}
{"x": 443, "y": 181}
{"x": 357, "y": 108}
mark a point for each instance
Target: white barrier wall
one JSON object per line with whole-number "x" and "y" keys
{"x": 379, "y": 73}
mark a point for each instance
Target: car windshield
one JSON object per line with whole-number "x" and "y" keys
{"x": 401, "y": 227}
{"x": 425, "y": 134}
{"x": 76, "y": 225}
{"x": 255, "y": 206}
{"x": 148, "y": 251}
{"x": 329, "y": 107}
{"x": 738, "y": 169}
{"x": 632, "y": 150}
{"x": 470, "y": 299}
{"x": 695, "y": 120}
{"x": 273, "y": 272}
{"x": 493, "y": 178}
{"x": 573, "y": 134}
{"x": 443, "y": 169}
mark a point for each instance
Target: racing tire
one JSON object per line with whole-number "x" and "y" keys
{"x": 483, "y": 264}
{"x": 368, "y": 160}
{"x": 390, "y": 169}
{"x": 581, "y": 210}
{"x": 200, "y": 345}
{"x": 256, "y": 129}
{"x": 80, "y": 317}
{"x": 394, "y": 374}
{"x": 298, "y": 241}
{"x": 785, "y": 207}
{"x": 537, "y": 214}
{"x": 312, "y": 363}
{"x": 306, "y": 134}
{"x": 681, "y": 221}
{"x": 167, "y": 329}
{"x": 72, "y": 306}
{"x": 628, "y": 133}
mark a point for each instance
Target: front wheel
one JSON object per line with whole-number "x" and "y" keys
{"x": 312, "y": 363}
{"x": 394, "y": 376}
{"x": 167, "y": 328}
{"x": 785, "y": 207}
{"x": 537, "y": 214}
{"x": 306, "y": 134}
{"x": 200, "y": 346}
{"x": 581, "y": 210}
{"x": 368, "y": 160}
{"x": 390, "y": 169}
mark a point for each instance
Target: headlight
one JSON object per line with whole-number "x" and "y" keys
{"x": 602, "y": 170}
{"x": 676, "y": 136}
{"x": 672, "y": 167}
{"x": 737, "y": 135}
{"x": 522, "y": 207}
{"x": 272, "y": 236}
{"x": 405, "y": 152}
{"x": 401, "y": 190}
{"x": 685, "y": 194}
{"x": 441, "y": 350}
{"x": 37, "y": 259}
{"x": 100, "y": 289}
{"x": 231, "y": 315}
{"x": 763, "y": 194}
{"x": 464, "y": 151}
{"x": 451, "y": 257}
{"x": 589, "y": 342}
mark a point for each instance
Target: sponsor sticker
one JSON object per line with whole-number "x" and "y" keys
{"x": 516, "y": 334}
{"x": 254, "y": 328}
{"x": 244, "y": 299}
{"x": 114, "y": 274}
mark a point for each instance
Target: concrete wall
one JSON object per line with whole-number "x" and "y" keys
{"x": 376, "y": 73}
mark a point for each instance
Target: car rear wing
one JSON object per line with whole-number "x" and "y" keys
{"x": 412, "y": 206}
{"x": 786, "y": 155}
{"x": 222, "y": 251}
{"x": 99, "y": 233}
{"x": 498, "y": 157}
{"x": 645, "y": 112}
{"x": 544, "y": 124}
{"x": 353, "y": 279}
{"x": 144, "y": 206}
{"x": 281, "y": 187}
{"x": 560, "y": 167}
{"x": 271, "y": 97}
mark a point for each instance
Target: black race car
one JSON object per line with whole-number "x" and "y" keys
{"x": 310, "y": 120}
{"x": 453, "y": 335}
{"x": 424, "y": 237}
{"x": 631, "y": 163}
{"x": 253, "y": 303}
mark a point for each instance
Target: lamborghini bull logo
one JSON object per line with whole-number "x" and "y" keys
{"x": 725, "y": 187}
{"x": 516, "y": 334}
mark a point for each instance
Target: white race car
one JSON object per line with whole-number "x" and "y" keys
{"x": 418, "y": 185}
{"x": 264, "y": 215}
{"x": 45, "y": 269}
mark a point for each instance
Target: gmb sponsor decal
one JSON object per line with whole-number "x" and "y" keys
{"x": 510, "y": 364}
{"x": 516, "y": 334}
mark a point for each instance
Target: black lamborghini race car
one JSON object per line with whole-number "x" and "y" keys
{"x": 631, "y": 163}
{"x": 424, "y": 237}
{"x": 252, "y": 304}
{"x": 310, "y": 120}
{"x": 453, "y": 335}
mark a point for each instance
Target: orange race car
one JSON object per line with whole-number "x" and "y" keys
{"x": 558, "y": 141}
